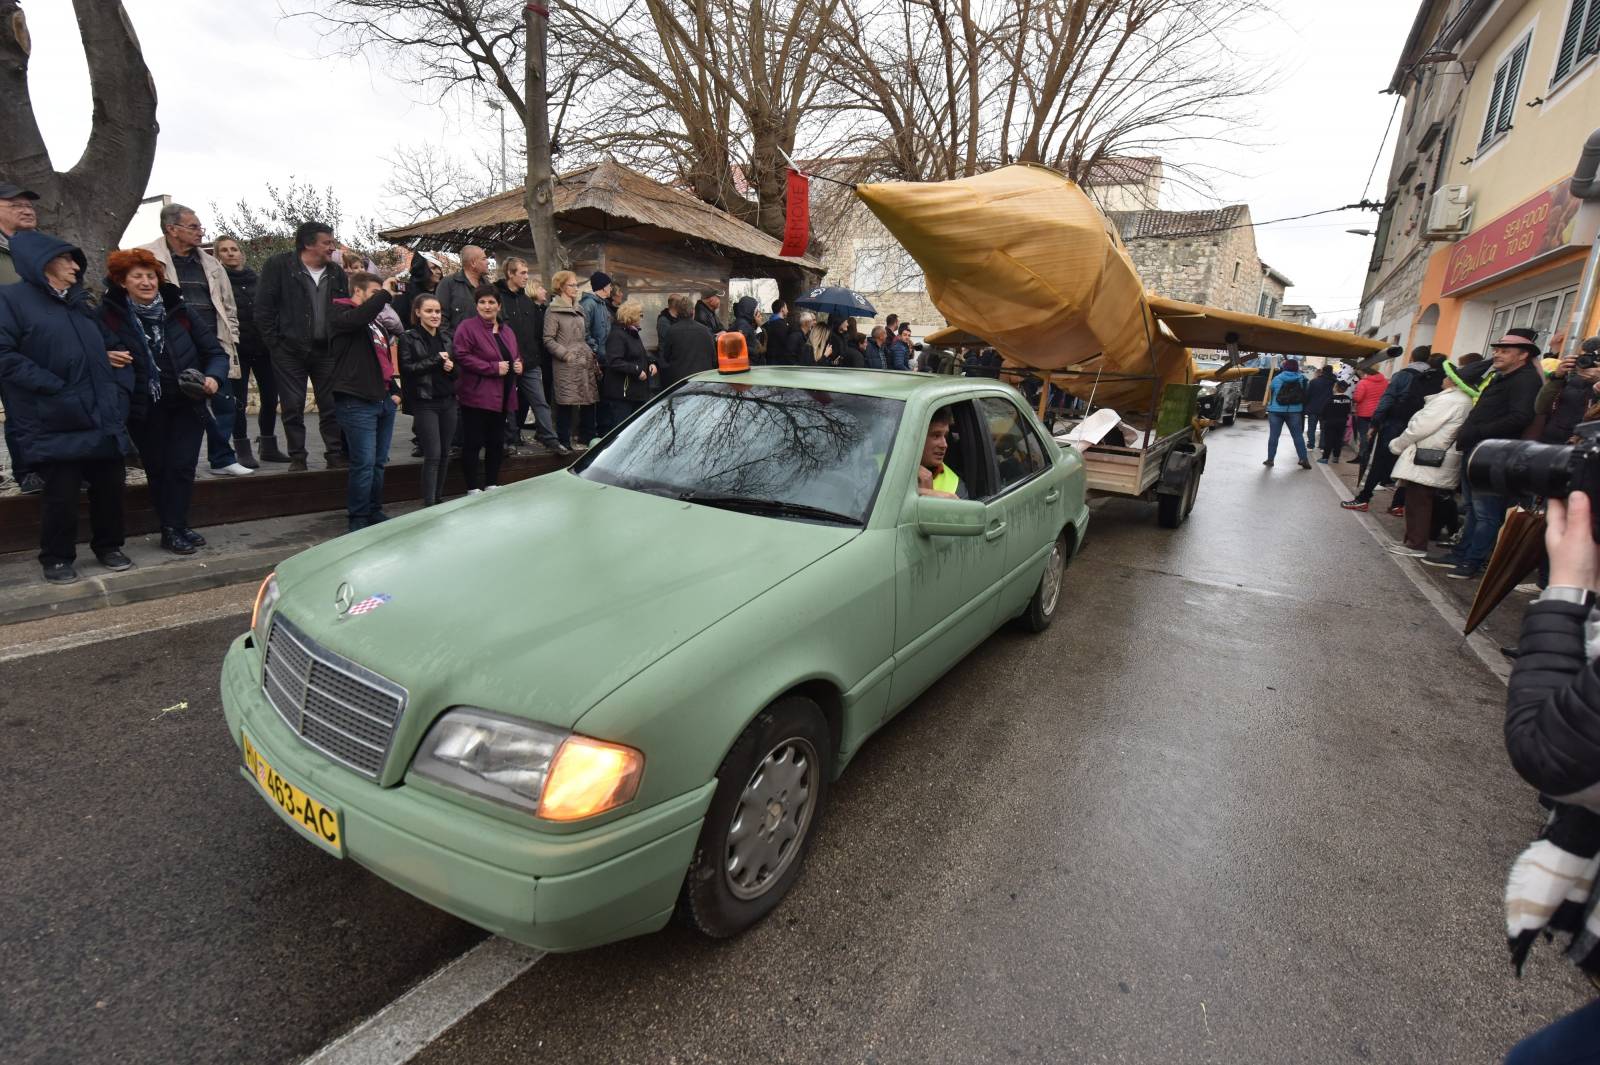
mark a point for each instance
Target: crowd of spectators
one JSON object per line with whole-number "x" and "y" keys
{"x": 163, "y": 363}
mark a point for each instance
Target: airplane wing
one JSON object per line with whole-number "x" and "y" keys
{"x": 1198, "y": 326}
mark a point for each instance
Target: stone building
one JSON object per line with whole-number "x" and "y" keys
{"x": 1204, "y": 257}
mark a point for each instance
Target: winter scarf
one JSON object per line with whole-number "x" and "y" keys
{"x": 1552, "y": 889}
{"x": 153, "y": 323}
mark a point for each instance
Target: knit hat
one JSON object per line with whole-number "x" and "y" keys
{"x": 599, "y": 280}
{"x": 1291, "y": 366}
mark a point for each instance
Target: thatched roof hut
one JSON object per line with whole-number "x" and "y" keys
{"x": 650, "y": 237}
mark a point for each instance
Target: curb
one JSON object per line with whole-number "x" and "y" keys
{"x": 142, "y": 584}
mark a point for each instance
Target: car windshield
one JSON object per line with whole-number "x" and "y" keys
{"x": 796, "y": 453}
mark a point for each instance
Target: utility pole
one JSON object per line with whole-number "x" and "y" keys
{"x": 539, "y": 191}
{"x": 500, "y": 110}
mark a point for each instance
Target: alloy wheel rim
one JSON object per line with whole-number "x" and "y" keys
{"x": 771, "y": 818}
{"x": 1052, "y": 579}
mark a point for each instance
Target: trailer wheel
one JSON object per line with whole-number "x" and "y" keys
{"x": 1172, "y": 509}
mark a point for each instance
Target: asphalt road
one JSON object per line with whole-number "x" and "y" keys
{"x": 1245, "y": 802}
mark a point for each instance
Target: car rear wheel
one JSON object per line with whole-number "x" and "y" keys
{"x": 1047, "y": 597}
{"x": 771, "y": 789}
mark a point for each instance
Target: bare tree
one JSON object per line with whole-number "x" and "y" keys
{"x": 425, "y": 179}
{"x": 480, "y": 47}
{"x": 92, "y": 203}
{"x": 266, "y": 229}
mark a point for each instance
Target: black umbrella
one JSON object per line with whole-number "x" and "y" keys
{"x": 837, "y": 303}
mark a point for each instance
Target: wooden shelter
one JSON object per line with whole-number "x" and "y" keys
{"x": 651, "y": 238}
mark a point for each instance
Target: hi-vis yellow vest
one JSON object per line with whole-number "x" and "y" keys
{"x": 946, "y": 481}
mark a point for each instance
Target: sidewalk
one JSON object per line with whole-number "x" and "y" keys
{"x": 1503, "y": 627}
{"x": 234, "y": 553}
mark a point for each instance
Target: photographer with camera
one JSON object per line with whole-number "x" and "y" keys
{"x": 1568, "y": 392}
{"x": 1504, "y": 409}
{"x": 1553, "y": 737}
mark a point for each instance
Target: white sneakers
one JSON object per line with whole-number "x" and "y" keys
{"x": 474, "y": 491}
{"x": 234, "y": 470}
{"x": 1402, "y": 549}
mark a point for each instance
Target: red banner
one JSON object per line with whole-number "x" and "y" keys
{"x": 1530, "y": 231}
{"x": 797, "y": 215}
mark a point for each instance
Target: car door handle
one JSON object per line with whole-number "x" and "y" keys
{"x": 995, "y": 531}
{"x": 1052, "y": 495}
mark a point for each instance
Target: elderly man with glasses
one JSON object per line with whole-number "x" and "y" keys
{"x": 208, "y": 294}
{"x": 16, "y": 213}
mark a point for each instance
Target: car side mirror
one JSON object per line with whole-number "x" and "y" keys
{"x": 937, "y": 516}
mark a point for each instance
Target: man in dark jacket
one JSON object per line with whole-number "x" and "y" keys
{"x": 366, "y": 392}
{"x": 1504, "y": 409}
{"x": 524, "y": 316}
{"x": 744, "y": 323}
{"x": 1568, "y": 392}
{"x": 777, "y": 331}
{"x": 897, "y": 350}
{"x": 297, "y": 289}
{"x": 1318, "y": 392}
{"x": 455, "y": 292}
{"x": 17, "y": 212}
{"x": 705, "y": 311}
{"x": 1386, "y": 425}
{"x": 253, "y": 357}
{"x": 666, "y": 319}
{"x": 687, "y": 349}
{"x": 68, "y": 386}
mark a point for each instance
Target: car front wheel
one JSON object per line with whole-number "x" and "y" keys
{"x": 771, "y": 789}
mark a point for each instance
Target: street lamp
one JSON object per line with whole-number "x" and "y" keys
{"x": 499, "y": 108}
{"x": 1360, "y": 232}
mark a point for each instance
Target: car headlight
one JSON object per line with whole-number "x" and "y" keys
{"x": 545, "y": 771}
{"x": 266, "y": 599}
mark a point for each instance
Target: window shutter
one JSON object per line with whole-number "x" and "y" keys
{"x": 1590, "y": 42}
{"x": 1494, "y": 106}
{"x": 1508, "y": 101}
{"x": 1568, "y": 52}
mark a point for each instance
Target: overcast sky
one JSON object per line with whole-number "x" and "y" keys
{"x": 245, "y": 99}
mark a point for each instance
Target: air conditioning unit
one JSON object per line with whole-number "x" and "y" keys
{"x": 1449, "y": 212}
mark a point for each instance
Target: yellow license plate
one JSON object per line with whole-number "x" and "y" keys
{"x": 316, "y": 820}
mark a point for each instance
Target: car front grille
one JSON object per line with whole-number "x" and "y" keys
{"x": 340, "y": 708}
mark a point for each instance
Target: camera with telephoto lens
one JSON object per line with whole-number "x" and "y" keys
{"x": 1524, "y": 468}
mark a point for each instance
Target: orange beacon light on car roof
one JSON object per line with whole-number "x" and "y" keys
{"x": 731, "y": 354}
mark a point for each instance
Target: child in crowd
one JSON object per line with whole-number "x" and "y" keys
{"x": 1335, "y": 420}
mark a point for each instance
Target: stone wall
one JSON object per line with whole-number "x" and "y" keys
{"x": 1217, "y": 269}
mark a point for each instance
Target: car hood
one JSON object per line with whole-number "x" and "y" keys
{"x": 539, "y": 598}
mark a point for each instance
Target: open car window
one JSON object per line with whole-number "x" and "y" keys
{"x": 1018, "y": 454}
{"x": 790, "y": 452}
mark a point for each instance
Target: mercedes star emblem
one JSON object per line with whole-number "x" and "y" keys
{"x": 344, "y": 598}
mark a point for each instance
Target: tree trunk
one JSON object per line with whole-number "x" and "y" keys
{"x": 91, "y": 204}
{"x": 539, "y": 191}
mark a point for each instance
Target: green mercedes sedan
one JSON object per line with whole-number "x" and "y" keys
{"x": 567, "y": 709}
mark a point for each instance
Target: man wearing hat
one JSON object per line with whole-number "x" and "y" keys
{"x": 16, "y": 213}
{"x": 705, "y": 311}
{"x": 1503, "y": 411}
{"x": 596, "y": 315}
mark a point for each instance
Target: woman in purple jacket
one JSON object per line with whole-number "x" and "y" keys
{"x": 486, "y": 354}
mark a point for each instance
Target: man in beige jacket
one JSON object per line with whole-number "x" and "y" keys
{"x": 209, "y": 296}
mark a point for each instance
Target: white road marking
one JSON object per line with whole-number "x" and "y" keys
{"x": 1482, "y": 646}
{"x": 399, "y": 1031}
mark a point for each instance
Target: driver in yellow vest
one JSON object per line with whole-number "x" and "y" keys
{"x": 934, "y": 478}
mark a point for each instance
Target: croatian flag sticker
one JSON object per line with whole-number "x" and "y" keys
{"x": 369, "y": 604}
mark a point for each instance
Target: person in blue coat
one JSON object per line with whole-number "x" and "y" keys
{"x": 147, "y": 316}
{"x": 67, "y": 386}
{"x": 1286, "y": 405}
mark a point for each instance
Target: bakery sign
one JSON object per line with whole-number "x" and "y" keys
{"x": 1527, "y": 233}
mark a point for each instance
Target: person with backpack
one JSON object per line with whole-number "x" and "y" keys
{"x": 1287, "y": 406}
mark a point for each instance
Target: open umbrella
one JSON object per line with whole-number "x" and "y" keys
{"x": 1518, "y": 550}
{"x": 837, "y": 303}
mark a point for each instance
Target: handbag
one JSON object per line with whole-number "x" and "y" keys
{"x": 1429, "y": 456}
